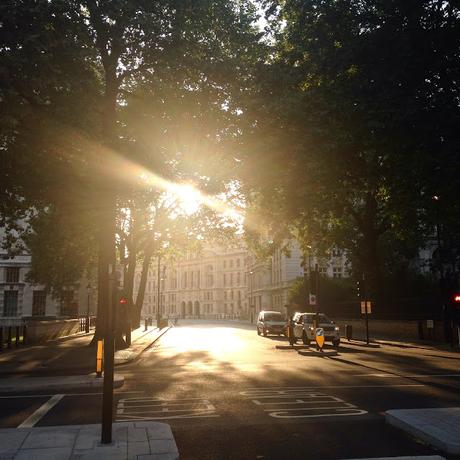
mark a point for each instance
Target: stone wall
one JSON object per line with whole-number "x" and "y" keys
{"x": 42, "y": 331}
{"x": 394, "y": 330}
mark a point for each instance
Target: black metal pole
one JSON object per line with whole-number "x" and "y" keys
{"x": 158, "y": 292}
{"x": 367, "y": 323}
{"x": 109, "y": 351}
{"x": 87, "y": 313}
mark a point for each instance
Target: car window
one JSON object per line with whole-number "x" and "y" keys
{"x": 273, "y": 317}
{"x": 322, "y": 318}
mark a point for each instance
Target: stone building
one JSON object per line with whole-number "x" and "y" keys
{"x": 209, "y": 284}
{"x": 20, "y": 298}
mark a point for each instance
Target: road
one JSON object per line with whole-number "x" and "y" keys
{"x": 230, "y": 394}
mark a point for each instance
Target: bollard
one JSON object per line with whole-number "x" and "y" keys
{"x": 146, "y": 324}
{"x": 9, "y": 340}
{"x": 24, "y": 333}
{"x": 349, "y": 331}
{"x": 18, "y": 333}
{"x": 99, "y": 353}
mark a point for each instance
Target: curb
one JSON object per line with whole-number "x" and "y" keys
{"x": 417, "y": 457}
{"x": 433, "y": 435}
{"x": 72, "y": 382}
{"x": 137, "y": 355}
{"x": 361, "y": 343}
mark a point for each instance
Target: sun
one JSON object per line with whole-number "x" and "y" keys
{"x": 189, "y": 198}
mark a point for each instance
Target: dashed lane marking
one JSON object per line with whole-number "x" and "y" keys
{"x": 299, "y": 402}
{"x": 162, "y": 409}
{"x": 33, "y": 419}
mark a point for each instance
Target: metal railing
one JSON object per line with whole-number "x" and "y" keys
{"x": 87, "y": 323}
{"x": 12, "y": 330}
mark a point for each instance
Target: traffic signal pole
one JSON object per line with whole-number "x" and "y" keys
{"x": 109, "y": 352}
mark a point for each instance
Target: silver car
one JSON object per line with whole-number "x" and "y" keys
{"x": 303, "y": 328}
{"x": 270, "y": 322}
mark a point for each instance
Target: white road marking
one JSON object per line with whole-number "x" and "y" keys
{"x": 40, "y": 412}
{"x": 244, "y": 393}
{"x": 299, "y": 402}
{"x": 65, "y": 394}
{"x": 399, "y": 376}
{"x": 162, "y": 409}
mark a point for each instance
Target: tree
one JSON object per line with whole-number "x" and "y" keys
{"x": 86, "y": 65}
{"x": 348, "y": 115}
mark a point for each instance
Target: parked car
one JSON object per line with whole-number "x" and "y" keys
{"x": 303, "y": 328}
{"x": 270, "y": 322}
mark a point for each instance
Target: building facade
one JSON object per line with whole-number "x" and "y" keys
{"x": 209, "y": 284}
{"x": 20, "y": 298}
{"x": 223, "y": 282}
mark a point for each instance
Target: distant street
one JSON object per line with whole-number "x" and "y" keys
{"x": 229, "y": 394}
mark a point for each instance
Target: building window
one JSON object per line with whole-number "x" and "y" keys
{"x": 68, "y": 306}
{"x": 231, "y": 263}
{"x": 336, "y": 252}
{"x": 225, "y": 264}
{"x": 38, "y": 303}
{"x": 12, "y": 274}
{"x": 225, "y": 279}
{"x": 237, "y": 262}
{"x": 238, "y": 277}
{"x": 337, "y": 272}
{"x": 209, "y": 280}
{"x": 322, "y": 270}
{"x": 10, "y": 303}
{"x": 231, "y": 295}
{"x": 231, "y": 279}
{"x": 225, "y": 295}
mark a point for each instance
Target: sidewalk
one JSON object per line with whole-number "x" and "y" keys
{"x": 438, "y": 427}
{"x": 130, "y": 440}
{"x": 70, "y": 355}
{"x": 66, "y": 364}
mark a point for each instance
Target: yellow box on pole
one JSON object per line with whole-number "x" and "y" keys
{"x": 99, "y": 354}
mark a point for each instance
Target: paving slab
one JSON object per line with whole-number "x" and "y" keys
{"x": 60, "y": 383}
{"x": 417, "y": 457}
{"x": 150, "y": 440}
{"x": 439, "y": 427}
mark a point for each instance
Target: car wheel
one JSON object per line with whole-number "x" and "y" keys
{"x": 336, "y": 343}
{"x": 265, "y": 333}
{"x": 258, "y": 331}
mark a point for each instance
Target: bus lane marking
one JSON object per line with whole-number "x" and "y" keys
{"x": 300, "y": 402}
{"x": 162, "y": 409}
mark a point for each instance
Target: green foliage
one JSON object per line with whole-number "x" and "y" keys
{"x": 348, "y": 122}
{"x": 331, "y": 290}
{"x": 93, "y": 93}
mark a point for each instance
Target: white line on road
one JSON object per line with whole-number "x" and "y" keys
{"x": 41, "y": 412}
{"x": 65, "y": 394}
{"x": 399, "y": 376}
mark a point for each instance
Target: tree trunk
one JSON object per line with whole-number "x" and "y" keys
{"x": 148, "y": 254}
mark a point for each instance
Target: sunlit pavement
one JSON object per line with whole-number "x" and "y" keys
{"x": 228, "y": 393}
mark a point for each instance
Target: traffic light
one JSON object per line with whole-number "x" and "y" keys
{"x": 456, "y": 299}
{"x": 123, "y": 300}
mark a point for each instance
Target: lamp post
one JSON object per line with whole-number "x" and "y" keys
{"x": 251, "y": 306}
{"x": 158, "y": 291}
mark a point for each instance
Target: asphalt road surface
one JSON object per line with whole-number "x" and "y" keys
{"x": 230, "y": 394}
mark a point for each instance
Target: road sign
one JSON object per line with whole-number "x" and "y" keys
{"x": 320, "y": 337}
{"x": 366, "y": 304}
{"x": 312, "y": 299}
